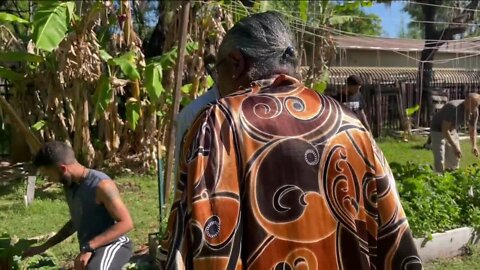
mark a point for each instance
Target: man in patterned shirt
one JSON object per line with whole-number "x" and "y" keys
{"x": 277, "y": 176}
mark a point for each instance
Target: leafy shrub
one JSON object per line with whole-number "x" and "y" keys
{"x": 12, "y": 247}
{"x": 436, "y": 202}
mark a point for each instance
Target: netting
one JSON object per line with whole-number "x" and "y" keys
{"x": 389, "y": 92}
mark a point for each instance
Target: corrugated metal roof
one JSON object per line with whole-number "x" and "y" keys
{"x": 374, "y": 75}
{"x": 405, "y": 45}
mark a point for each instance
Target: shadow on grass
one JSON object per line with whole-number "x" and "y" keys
{"x": 420, "y": 147}
{"x": 52, "y": 194}
{"x": 15, "y": 190}
{"x": 6, "y": 189}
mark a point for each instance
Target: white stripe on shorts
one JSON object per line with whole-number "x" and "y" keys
{"x": 110, "y": 251}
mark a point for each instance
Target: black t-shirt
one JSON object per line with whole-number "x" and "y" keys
{"x": 354, "y": 102}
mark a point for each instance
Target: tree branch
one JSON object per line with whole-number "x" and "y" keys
{"x": 432, "y": 33}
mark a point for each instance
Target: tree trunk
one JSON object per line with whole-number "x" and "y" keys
{"x": 19, "y": 150}
{"x": 155, "y": 44}
{"x": 434, "y": 38}
{"x": 25, "y": 133}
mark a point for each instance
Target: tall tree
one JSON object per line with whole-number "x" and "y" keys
{"x": 409, "y": 31}
{"x": 459, "y": 18}
{"x": 360, "y": 22}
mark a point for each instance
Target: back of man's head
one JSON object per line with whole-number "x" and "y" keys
{"x": 267, "y": 43}
{"x": 354, "y": 80}
{"x": 54, "y": 153}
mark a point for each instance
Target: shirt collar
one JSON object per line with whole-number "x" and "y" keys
{"x": 274, "y": 81}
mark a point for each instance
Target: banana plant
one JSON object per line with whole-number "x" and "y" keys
{"x": 51, "y": 22}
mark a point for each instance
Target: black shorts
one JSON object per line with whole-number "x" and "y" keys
{"x": 113, "y": 256}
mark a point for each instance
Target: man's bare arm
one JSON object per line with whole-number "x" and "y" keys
{"x": 472, "y": 129}
{"x": 108, "y": 195}
{"x": 66, "y": 231}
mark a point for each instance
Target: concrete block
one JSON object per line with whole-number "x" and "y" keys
{"x": 446, "y": 245}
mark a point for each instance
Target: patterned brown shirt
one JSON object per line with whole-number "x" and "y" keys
{"x": 280, "y": 177}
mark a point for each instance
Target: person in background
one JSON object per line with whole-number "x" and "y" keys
{"x": 352, "y": 98}
{"x": 187, "y": 115}
{"x": 276, "y": 176}
{"x": 445, "y": 143}
{"x": 97, "y": 211}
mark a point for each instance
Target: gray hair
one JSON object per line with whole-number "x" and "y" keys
{"x": 267, "y": 43}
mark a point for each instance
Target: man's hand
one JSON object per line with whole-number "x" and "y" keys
{"x": 61, "y": 235}
{"x": 475, "y": 151}
{"x": 32, "y": 251}
{"x": 458, "y": 152}
{"x": 82, "y": 260}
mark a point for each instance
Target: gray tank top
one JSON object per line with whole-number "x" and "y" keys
{"x": 452, "y": 112}
{"x": 89, "y": 218}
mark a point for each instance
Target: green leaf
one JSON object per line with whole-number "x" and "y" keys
{"x": 168, "y": 59}
{"x": 7, "y": 17}
{"x": 185, "y": 101}
{"x": 102, "y": 96}
{"x": 191, "y": 47}
{"x": 210, "y": 81}
{"x": 50, "y": 25}
{"x": 241, "y": 11}
{"x": 187, "y": 88}
{"x": 127, "y": 64}
{"x": 340, "y": 19}
{"x": 153, "y": 81}
{"x": 367, "y": 3}
{"x": 133, "y": 112}
{"x": 303, "y": 7}
{"x": 324, "y": 6}
{"x": 260, "y": 6}
{"x": 10, "y": 75}
{"x": 353, "y": 4}
{"x": 105, "y": 55}
{"x": 39, "y": 125}
{"x": 320, "y": 86}
{"x": 412, "y": 110}
{"x": 20, "y": 57}
{"x": 71, "y": 11}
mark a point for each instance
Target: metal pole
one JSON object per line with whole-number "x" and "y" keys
{"x": 160, "y": 182}
{"x": 176, "y": 98}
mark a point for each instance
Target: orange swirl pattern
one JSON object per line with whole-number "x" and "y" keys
{"x": 280, "y": 177}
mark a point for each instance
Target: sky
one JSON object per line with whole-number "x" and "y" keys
{"x": 391, "y": 17}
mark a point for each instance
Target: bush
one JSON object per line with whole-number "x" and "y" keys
{"x": 438, "y": 202}
{"x": 11, "y": 249}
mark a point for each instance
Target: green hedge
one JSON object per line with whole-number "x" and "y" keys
{"x": 438, "y": 202}
{"x": 11, "y": 249}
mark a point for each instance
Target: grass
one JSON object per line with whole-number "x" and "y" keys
{"x": 396, "y": 150}
{"x": 49, "y": 212}
{"x": 457, "y": 263}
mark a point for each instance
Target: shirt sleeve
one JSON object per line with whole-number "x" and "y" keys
{"x": 204, "y": 224}
{"x": 395, "y": 244}
{"x": 361, "y": 100}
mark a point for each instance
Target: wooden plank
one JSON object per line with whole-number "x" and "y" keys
{"x": 30, "y": 189}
